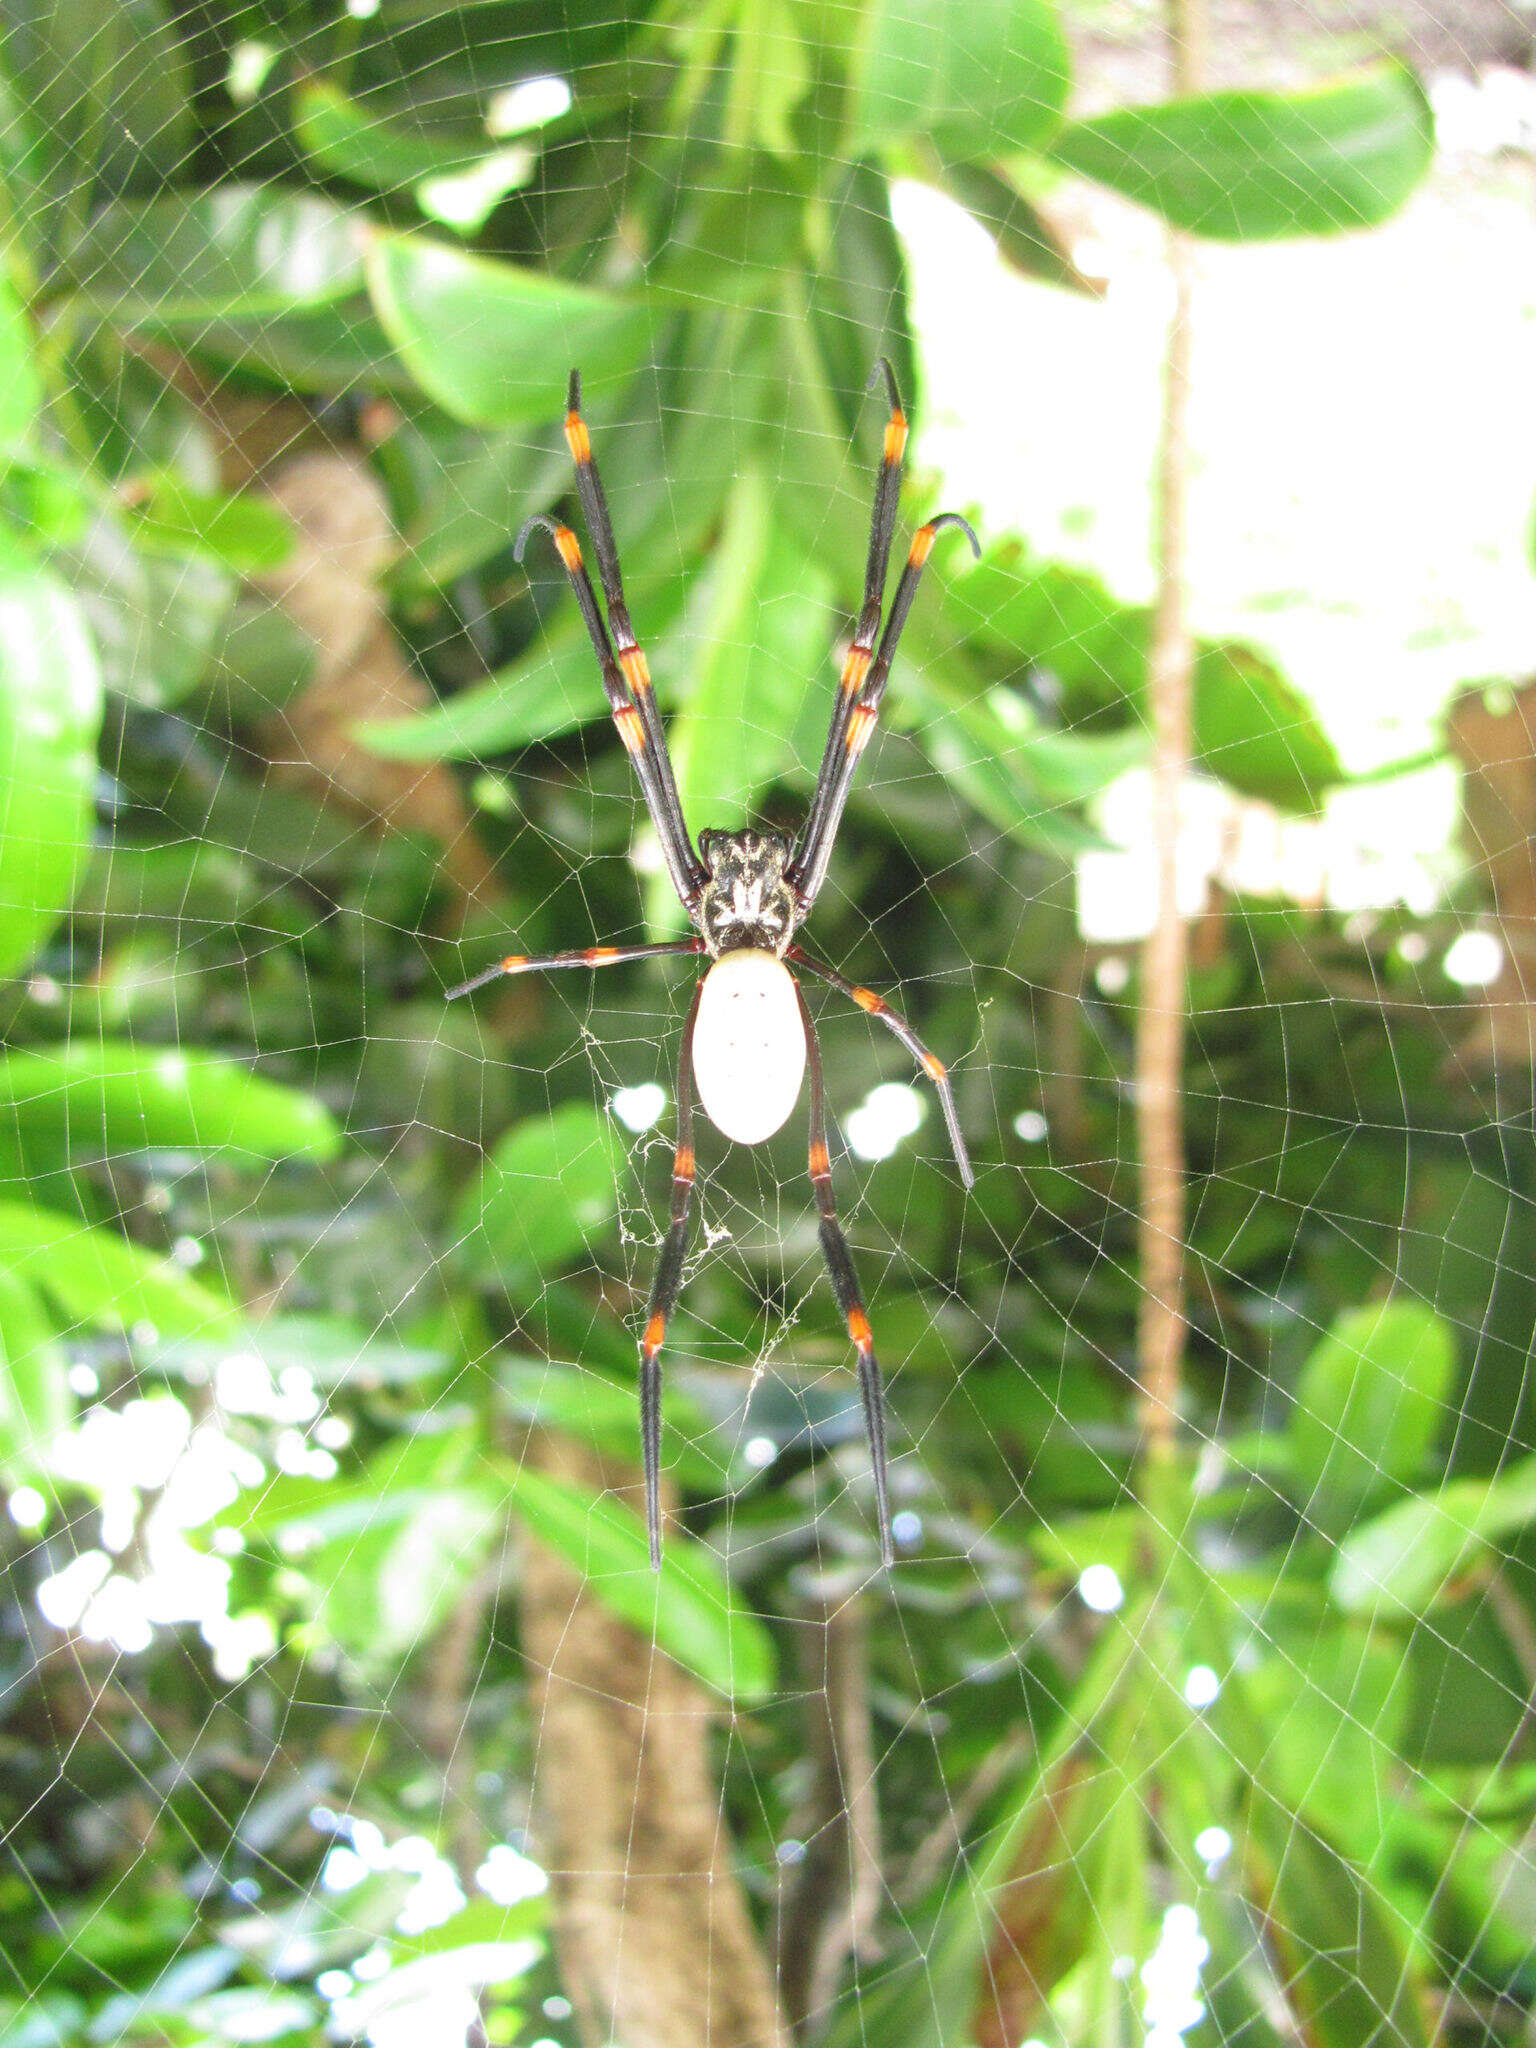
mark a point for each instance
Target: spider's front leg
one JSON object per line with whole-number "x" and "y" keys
{"x": 845, "y": 1286}
{"x": 668, "y": 1284}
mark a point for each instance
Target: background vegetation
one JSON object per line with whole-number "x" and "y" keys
{"x": 330, "y": 1632}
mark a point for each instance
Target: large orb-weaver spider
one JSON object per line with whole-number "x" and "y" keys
{"x": 748, "y": 1037}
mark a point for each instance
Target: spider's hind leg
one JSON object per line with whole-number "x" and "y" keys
{"x": 667, "y": 1285}
{"x": 845, "y": 1286}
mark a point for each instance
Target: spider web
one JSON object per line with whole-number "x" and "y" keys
{"x": 1240, "y": 1754}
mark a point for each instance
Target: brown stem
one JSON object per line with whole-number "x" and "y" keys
{"x": 655, "y": 1943}
{"x": 836, "y": 1895}
{"x": 1161, "y": 1021}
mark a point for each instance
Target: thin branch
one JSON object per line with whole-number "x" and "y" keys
{"x": 1161, "y": 1021}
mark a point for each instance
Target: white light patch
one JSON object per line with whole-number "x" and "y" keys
{"x": 759, "y": 1452}
{"x": 1031, "y": 1126}
{"x": 28, "y": 1508}
{"x": 466, "y": 199}
{"x": 1201, "y": 1686}
{"x": 527, "y": 105}
{"x": 1213, "y": 1845}
{"x": 1101, "y": 1589}
{"x": 1171, "y": 1979}
{"x": 890, "y": 1112}
{"x": 638, "y": 1109}
{"x": 362, "y": 10}
{"x": 509, "y": 1877}
{"x": 1474, "y": 960}
{"x": 249, "y": 64}
{"x": 906, "y": 1529}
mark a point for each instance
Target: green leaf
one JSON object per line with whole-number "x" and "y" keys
{"x": 689, "y": 1605}
{"x": 34, "y": 1392}
{"x": 1370, "y": 1403}
{"x": 112, "y": 1097}
{"x": 99, "y": 1279}
{"x": 156, "y": 620}
{"x": 549, "y": 1187}
{"x": 978, "y": 80}
{"x": 1254, "y": 729}
{"x": 763, "y": 628}
{"x": 50, "y": 715}
{"x": 246, "y": 533}
{"x": 1406, "y": 1560}
{"x": 1024, "y": 778}
{"x": 384, "y": 155}
{"x": 1250, "y": 166}
{"x": 551, "y": 691}
{"x": 490, "y": 341}
{"x": 1331, "y": 1932}
{"x": 235, "y": 252}
{"x": 459, "y": 180}
{"x": 105, "y": 89}
{"x": 602, "y": 1412}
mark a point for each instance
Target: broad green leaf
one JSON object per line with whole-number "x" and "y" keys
{"x": 458, "y": 180}
{"x": 978, "y": 80}
{"x": 156, "y": 620}
{"x": 1023, "y": 777}
{"x": 347, "y": 141}
{"x": 1370, "y": 1403}
{"x": 35, "y": 1402}
{"x": 246, "y": 533}
{"x": 112, "y": 1097}
{"x": 689, "y": 1606}
{"x": 1254, "y": 729}
{"x": 1333, "y": 1934}
{"x": 1027, "y": 240}
{"x": 491, "y": 341}
{"x": 50, "y": 714}
{"x": 388, "y": 1546}
{"x": 551, "y": 691}
{"x": 100, "y": 1280}
{"x": 1250, "y": 166}
{"x": 764, "y": 628}
{"x": 549, "y": 1187}
{"x": 1407, "y": 1559}
{"x": 603, "y": 1413}
{"x": 233, "y": 252}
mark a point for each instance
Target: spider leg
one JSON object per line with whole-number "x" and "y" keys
{"x": 845, "y": 1286}
{"x": 631, "y": 657}
{"x": 587, "y": 956}
{"x": 882, "y": 529}
{"x": 853, "y": 721}
{"x": 932, "y": 1066}
{"x": 627, "y": 682}
{"x": 667, "y": 1285}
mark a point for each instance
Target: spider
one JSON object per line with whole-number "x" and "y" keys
{"x": 748, "y": 1037}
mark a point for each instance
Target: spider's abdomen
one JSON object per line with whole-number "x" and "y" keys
{"x": 748, "y": 1045}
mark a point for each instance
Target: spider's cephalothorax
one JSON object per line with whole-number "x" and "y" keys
{"x": 746, "y": 901}
{"x": 748, "y": 1040}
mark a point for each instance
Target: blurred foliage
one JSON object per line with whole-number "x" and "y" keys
{"x": 269, "y": 1203}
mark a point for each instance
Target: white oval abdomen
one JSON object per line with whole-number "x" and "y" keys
{"x": 748, "y": 1045}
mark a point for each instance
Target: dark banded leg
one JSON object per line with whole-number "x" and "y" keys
{"x": 589, "y": 956}
{"x": 637, "y": 673}
{"x": 638, "y": 726}
{"x": 882, "y": 529}
{"x": 932, "y": 1066}
{"x": 667, "y": 1285}
{"x": 845, "y": 1286}
{"x": 854, "y": 722}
